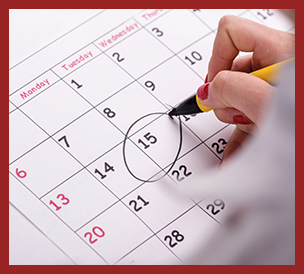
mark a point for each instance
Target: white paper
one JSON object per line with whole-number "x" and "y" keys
{"x": 71, "y": 104}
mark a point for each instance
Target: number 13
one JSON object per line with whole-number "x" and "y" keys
{"x": 64, "y": 201}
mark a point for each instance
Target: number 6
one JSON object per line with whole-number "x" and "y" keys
{"x": 21, "y": 173}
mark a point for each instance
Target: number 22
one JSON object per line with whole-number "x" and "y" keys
{"x": 186, "y": 174}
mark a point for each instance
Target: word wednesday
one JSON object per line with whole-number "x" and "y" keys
{"x": 38, "y": 86}
{"x": 118, "y": 35}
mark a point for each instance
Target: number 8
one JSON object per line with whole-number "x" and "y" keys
{"x": 110, "y": 113}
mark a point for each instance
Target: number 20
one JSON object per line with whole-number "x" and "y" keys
{"x": 97, "y": 231}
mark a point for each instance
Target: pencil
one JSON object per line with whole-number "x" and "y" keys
{"x": 192, "y": 104}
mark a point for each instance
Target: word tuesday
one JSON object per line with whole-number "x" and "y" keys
{"x": 80, "y": 59}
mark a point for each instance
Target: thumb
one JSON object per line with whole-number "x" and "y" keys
{"x": 237, "y": 92}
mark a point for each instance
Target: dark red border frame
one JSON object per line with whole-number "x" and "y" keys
{"x": 297, "y": 268}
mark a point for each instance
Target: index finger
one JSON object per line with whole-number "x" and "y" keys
{"x": 239, "y": 34}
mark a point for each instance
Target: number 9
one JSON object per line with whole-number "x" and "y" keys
{"x": 150, "y": 84}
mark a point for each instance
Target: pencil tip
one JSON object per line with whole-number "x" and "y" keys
{"x": 172, "y": 112}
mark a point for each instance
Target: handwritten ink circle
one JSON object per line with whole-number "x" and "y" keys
{"x": 175, "y": 159}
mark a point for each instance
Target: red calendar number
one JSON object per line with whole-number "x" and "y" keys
{"x": 64, "y": 201}
{"x": 97, "y": 231}
{"x": 21, "y": 173}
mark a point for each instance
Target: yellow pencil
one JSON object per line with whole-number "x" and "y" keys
{"x": 192, "y": 104}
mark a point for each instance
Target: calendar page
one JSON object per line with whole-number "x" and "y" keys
{"x": 102, "y": 188}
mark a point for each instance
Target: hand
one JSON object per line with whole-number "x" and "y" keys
{"x": 236, "y": 96}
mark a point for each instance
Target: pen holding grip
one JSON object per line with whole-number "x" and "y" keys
{"x": 202, "y": 107}
{"x": 191, "y": 105}
{"x": 269, "y": 74}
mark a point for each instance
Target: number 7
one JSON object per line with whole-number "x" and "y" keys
{"x": 65, "y": 140}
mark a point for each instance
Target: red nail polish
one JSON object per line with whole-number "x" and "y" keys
{"x": 239, "y": 119}
{"x": 202, "y": 91}
{"x": 206, "y": 78}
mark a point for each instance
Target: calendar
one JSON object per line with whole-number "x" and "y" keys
{"x": 102, "y": 188}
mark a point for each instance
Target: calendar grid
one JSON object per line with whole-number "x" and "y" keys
{"x": 135, "y": 80}
{"x": 118, "y": 200}
{"x": 56, "y": 216}
{"x": 208, "y": 214}
{"x": 84, "y": 167}
{"x": 194, "y": 13}
{"x": 83, "y": 181}
{"x": 58, "y": 39}
{"x": 92, "y": 42}
{"x": 155, "y": 234}
{"x": 41, "y": 231}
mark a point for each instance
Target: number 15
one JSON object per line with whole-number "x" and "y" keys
{"x": 152, "y": 139}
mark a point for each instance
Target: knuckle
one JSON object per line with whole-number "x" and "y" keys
{"x": 219, "y": 81}
{"x": 226, "y": 20}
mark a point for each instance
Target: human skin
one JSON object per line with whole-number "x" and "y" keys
{"x": 236, "y": 96}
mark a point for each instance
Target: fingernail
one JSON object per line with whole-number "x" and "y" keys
{"x": 206, "y": 78}
{"x": 220, "y": 164}
{"x": 202, "y": 91}
{"x": 239, "y": 119}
